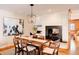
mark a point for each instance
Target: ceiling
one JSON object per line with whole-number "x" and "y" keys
{"x": 38, "y": 9}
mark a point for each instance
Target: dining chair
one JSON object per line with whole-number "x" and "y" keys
{"x": 17, "y": 45}
{"x": 27, "y": 49}
{"x": 38, "y": 46}
{"x": 57, "y": 47}
{"x": 48, "y": 48}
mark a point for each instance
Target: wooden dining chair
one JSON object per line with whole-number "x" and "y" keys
{"x": 17, "y": 45}
{"x": 27, "y": 48}
{"x": 48, "y": 48}
{"x": 38, "y": 46}
{"x": 57, "y": 48}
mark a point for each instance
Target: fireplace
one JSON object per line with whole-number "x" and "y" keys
{"x": 54, "y": 33}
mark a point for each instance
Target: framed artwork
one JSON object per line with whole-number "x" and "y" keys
{"x": 12, "y": 26}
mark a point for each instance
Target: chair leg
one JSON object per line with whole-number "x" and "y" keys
{"x": 38, "y": 51}
{"x": 22, "y": 52}
{"x": 18, "y": 53}
{"x": 26, "y": 53}
{"x": 41, "y": 52}
{"x": 15, "y": 51}
{"x": 57, "y": 53}
{"x": 35, "y": 51}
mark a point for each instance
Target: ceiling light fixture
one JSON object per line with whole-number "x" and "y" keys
{"x": 32, "y": 16}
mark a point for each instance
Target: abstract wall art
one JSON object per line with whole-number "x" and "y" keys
{"x": 12, "y": 26}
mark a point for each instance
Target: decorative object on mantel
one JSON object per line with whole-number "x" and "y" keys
{"x": 34, "y": 29}
{"x": 13, "y": 26}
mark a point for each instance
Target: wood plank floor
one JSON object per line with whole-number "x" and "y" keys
{"x": 11, "y": 51}
{"x": 74, "y": 50}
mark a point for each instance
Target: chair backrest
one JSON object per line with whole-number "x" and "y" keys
{"x": 57, "y": 42}
{"x": 16, "y": 41}
{"x": 52, "y": 44}
{"x": 57, "y": 45}
{"x": 24, "y": 43}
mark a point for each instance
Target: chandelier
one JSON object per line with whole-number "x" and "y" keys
{"x": 32, "y": 16}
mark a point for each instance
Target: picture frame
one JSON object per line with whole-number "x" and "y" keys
{"x": 12, "y": 26}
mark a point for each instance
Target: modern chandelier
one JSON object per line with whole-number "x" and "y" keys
{"x": 32, "y": 16}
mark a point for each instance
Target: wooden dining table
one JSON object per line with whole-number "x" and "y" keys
{"x": 35, "y": 42}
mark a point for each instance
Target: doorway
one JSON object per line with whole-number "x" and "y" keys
{"x": 74, "y": 36}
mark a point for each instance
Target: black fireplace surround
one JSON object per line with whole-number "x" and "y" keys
{"x": 54, "y": 33}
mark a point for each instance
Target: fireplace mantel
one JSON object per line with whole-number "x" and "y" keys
{"x": 53, "y": 32}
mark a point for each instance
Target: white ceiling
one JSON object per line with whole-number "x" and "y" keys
{"x": 38, "y": 9}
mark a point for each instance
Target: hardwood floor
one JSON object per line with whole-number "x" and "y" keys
{"x": 12, "y": 52}
{"x": 74, "y": 50}
{"x": 64, "y": 51}
{"x": 7, "y": 47}
{"x": 74, "y": 47}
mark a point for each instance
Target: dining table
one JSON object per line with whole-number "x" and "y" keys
{"x": 35, "y": 42}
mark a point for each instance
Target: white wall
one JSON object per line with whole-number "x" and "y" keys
{"x": 75, "y": 14}
{"x": 7, "y": 40}
{"x": 59, "y": 18}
